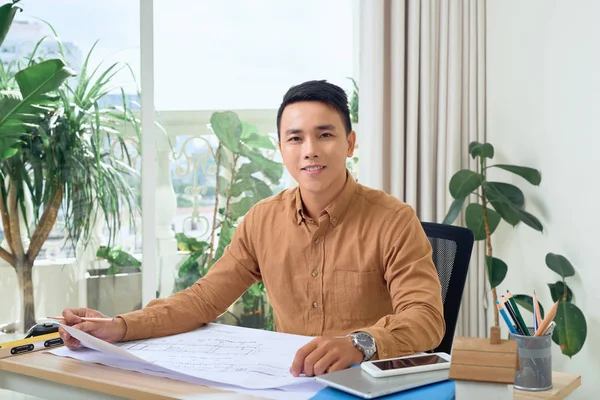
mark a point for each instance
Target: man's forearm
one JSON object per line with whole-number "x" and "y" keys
{"x": 419, "y": 328}
{"x": 193, "y": 307}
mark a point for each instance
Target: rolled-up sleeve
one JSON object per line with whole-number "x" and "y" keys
{"x": 417, "y": 323}
{"x": 209, "y": 297}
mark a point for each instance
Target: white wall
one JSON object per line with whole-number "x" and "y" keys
{"x": 543, "y": 108}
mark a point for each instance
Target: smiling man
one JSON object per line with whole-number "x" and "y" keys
{"x": 342, "y": 262}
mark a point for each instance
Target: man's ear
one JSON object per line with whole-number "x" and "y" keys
{"x": 351, "y": 143}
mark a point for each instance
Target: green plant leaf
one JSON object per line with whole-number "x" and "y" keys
{"x": 506, "y": 212}
{"x": 526, "y": 302}
{"x": 7, "y": 14}
{"x": 496, "y": 270}
{"x": 225, "y": 236}
{"x": 248, "y": 169}
{"x": 186, "y": 243}
{"x": 531, "y": 175}
{"x": 7, "y": 150}
{"x": 256, "y": 290}
{"x": 529, "y": 220}
{"x": 560, "y": 265}
{"x": 557, "y": 291}
{"x": 223, "y": 186}
{"x": 484, "y": 150}
{"x": 241, "y": 207}
{"x": 509, "y": 192}
{"x": 506, "y": 200}
{"x": 22, "y": 111}
{"x": 228, "y": 128}
{"x": 571, "y": 328}
{"x": 254, "y": 139}
{"x": 509, "y": 211}
{"x": 42, "y": 78}
{"x": 464, "y": 182}
{"x": 272, "y": 170}
{"x": 474, "y": 220}
{"x": 256, "y": 186}
{"x": 454, "y": 210}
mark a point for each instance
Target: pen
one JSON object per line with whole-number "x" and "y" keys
{"x": 511, "y": 328}
{"x": 550, "y": 329}
{"x": 85, "y": 319}
{"x": 538, "y": 314}
{"x": 513, "y": 303}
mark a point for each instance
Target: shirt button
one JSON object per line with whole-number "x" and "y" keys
{"x": 317, "y": 241}
{"x": 315, "y": 273}
{"x": 315, "y": 305}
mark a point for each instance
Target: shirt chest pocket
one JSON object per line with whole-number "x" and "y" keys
{"x": 360, "y": 296}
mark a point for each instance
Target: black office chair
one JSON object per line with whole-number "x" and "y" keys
{"x": 452, "y": 247}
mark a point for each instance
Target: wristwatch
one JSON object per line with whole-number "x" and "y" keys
{"x": 365, "y": 343}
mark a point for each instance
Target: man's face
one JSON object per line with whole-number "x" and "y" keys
{"x": 314, "y": 145}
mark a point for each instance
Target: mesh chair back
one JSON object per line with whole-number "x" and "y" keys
{"x": 452, "y": 247}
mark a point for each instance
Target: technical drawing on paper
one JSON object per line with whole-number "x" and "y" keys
{"x": 240, "y": 356}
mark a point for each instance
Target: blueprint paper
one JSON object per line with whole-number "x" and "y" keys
{"x": 244, "y": 357}
{"x": 295, "y": 392}
{"x": 94, "y": 343}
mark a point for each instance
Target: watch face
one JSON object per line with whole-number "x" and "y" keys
{"x": 364, "y": 339}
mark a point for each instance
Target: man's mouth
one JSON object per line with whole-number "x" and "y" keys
{"x": 313, "y": 168}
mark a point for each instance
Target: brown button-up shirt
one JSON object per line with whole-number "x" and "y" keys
{"x": 365, "y": 264}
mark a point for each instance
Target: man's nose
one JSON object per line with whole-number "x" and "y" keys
{"x": 310, "y": 149}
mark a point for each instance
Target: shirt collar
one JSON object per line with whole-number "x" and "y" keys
{"x": 336, "y": 208}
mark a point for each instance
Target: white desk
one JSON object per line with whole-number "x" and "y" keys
{"x": 51, "y": 377}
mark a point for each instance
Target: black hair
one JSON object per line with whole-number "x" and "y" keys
{"x": 322, "y": 91}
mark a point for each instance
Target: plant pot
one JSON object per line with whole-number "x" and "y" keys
{"x": 114, "y": 294}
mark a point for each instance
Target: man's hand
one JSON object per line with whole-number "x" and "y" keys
{"x": 110, "y": 331}
{"x": 325, "y": 354}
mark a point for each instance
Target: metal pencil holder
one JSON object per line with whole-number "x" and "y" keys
{"x": 535, "y": 362}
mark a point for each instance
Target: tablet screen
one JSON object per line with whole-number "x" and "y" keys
{"x": 409, "y": 362}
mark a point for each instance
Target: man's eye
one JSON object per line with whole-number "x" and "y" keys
{"x": 294, "y": 139}
{"x": 327, "y": 134}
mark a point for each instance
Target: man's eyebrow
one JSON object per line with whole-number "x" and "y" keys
{"x": 326, "y": 127}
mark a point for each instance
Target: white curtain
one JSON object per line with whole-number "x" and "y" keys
{"x": 422, "y": 101}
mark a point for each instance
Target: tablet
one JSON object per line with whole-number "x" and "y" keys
{"x": 359, "y": 383}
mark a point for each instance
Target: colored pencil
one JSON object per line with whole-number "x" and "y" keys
{"x": 536, "y": 312}
{"x": 512, "y": 314}
{"x": 85, "y": 319}
{"x": 547, "y": 320}
{"x": 511, "y": 328}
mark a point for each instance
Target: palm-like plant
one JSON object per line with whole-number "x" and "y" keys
{"x": 23, "y": 108}
{"x": 65, "y": 165}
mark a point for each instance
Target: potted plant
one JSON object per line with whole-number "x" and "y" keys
{"x": 242, "y": 172}
{"x": 64, "y": 166}
{"x": 571, "y": 327}
{"x": 494, "y": 202}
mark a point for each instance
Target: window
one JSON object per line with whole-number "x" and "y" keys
{"x": 111, "y": 28}
{"x": 243, "y": 54}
